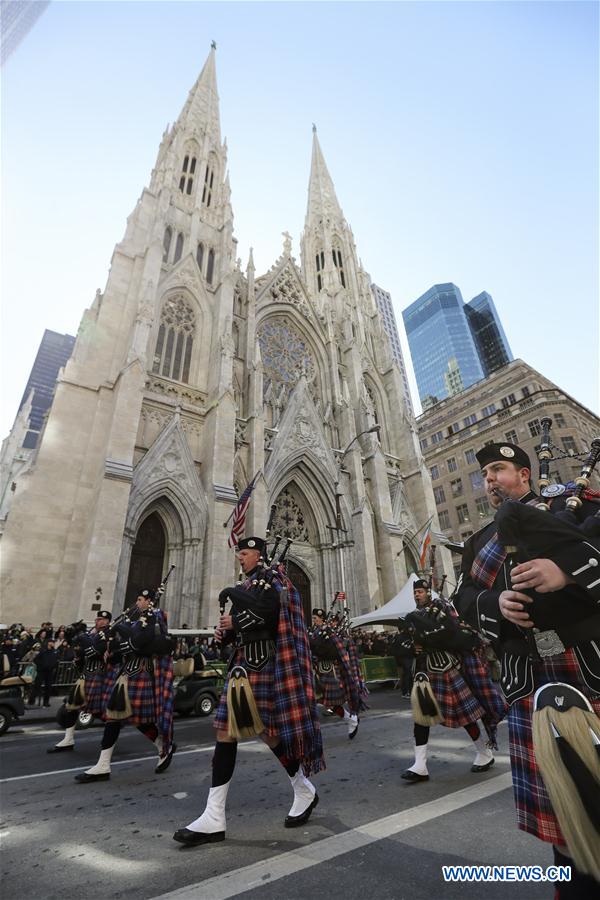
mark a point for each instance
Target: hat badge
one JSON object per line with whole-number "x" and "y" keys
{"x": 252, "y": 543}
{"x": 507, "y": 451}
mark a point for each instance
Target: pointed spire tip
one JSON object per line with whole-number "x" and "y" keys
{"x": 314, "y": 128}
{"x": 213, "y": 45}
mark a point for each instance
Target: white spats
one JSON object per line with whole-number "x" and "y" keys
{"x": 352, "y": 726}
{"x": 420, "y": 764}
{"x": 212, "y": 819}
{"x": 102, "y": 767}
{"x": 69, "y": 738}
{"x": 483, "y": 755}
{"x": 304, "y": 794}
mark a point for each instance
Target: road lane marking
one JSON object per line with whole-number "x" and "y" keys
{"x": 246, "y": 878}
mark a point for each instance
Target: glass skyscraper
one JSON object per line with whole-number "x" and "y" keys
{"x": 453, "y": 344}
{"x": 53, "y": 353}
{"x": 488, "y": 334}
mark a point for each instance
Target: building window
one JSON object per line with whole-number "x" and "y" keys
{"x": 337, "y": 261}
{"x": 457, "y": 487}
{"x": 424, "y": 442}
{"x": 483, "y": 507}
{"x": 534, "y": 427}
{"x": 470, "y": 420}
{"x": 559, "y": 420}
{"x": 178, "y": 248}
{"x": 454, "y": 428}
{"x": 470, "y": 457}
{"x": 320, "y": 262}
{"x": 435, "y": 472}
{"x": 186, "y": 179}
{"x": 444, "y": 519}
{"x": 488, "y": 410}
{"x": 508, "y": 401}
{"x": 167, "y": 243}
{"x": 569, "y": 444}
{"x": 511, "y": 437}
{"x": 173, "y": 354}
{"x": 439, "y": 495}
{"x": 476, "y": 480}
{"x": 466, "y": 534}
{"x": 526, "y": 392}
{"x": 437, "y": 438}
{"x": 208, "y": 186}
{"x": 451, "y": 463}
{"x": 200, "y": 255}
{"x": 210, "y": 266}
{"x": 462, "y": 512}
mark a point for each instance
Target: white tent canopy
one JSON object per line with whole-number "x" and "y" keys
{"x": 394, "y": 609}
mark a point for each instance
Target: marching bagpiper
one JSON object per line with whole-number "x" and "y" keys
{"x": 87, "y": 693}
{"x": 140, "y": 691}
{"x": 268, "y": 691}
{"x": 452, "y": 685}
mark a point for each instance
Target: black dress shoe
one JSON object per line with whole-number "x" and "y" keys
{"x": 295, "y": 821}
{"x": 57, "y": 749}
{"x": 84, "y": 777}
{"x": 414, "y": 776}
{"x": 193, "y": 838}
{"x": 165, "y": 761}
{"x": 484, "y": 768}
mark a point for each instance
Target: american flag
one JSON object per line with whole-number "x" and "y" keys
{"x": 239, "y": 514}
{"x": 425, "y": 541}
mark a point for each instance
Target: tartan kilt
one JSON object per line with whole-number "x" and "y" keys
{"x": 457, "y": 703}
{"x": 330, "y": 688}
{"x": 94, "y": 692}
{"x": 534, "y": 810}
{"x": 477, "y": 675}
{"x": 141, "y": 696}
{"x": 263, "y": 688}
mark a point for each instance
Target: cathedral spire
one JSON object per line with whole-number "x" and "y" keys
{"x": 322, "y": 201}
{"x": 201, "y": 109}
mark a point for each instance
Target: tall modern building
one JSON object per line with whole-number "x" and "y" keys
{"x": 54, "y": 352}
{"x": 386, "y": 308}
{"x": 488, "y": 334}
{"x": 453, "y": 344}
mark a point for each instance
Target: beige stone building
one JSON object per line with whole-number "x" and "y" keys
{"x": 189, "y": 375}
{"x": 506, "y": 406}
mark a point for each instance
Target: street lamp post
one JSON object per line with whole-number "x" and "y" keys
{"x": 338, "y": 527}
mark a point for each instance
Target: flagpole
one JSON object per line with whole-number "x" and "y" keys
{"x": 225, "y": 524}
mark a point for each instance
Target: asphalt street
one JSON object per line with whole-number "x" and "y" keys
{"x": 372, "y": 834}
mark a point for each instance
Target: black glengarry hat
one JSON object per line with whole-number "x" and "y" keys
{"x": 149, "y": 593}
{"x": 104, "y": 614}
{"x": 503, "y": 452}
{"x": 420, "y": 583}
{"x": 319, "y": 612}
{"x": 252, "y": 543}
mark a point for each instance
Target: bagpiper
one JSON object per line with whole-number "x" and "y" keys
{"x": 268, "y": 692}
{"x": 87, "y": 693}
{"x": 452, "y": 684}
{"x": 140, "y": 690}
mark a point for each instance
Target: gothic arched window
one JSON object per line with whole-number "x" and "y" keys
{"x": 320, "y": 262}
{"x": 178, "y": 248}
{"x": 236, "y": 338}
{"x": 167, "y": 243}
{"x": 339, "y": 265}
{"x": 207, "y": 190}
{"x": 186, "y": 180}
{"x": 286, "y": 355}
{"x": 173, "y": 354}
{"x": 210, "y": 266}
{"x": 200, "y": 255}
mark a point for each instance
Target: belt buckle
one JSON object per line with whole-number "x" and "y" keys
{"x": 548, "y": 643}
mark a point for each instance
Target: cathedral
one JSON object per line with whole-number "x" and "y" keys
{"x": 190, "y": 375}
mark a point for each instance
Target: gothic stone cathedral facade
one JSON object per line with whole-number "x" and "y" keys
{"x": 190, "y": 375}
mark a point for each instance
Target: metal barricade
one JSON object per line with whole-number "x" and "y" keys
{"x": 65, "y": 676}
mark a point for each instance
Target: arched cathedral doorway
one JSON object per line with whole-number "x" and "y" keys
{"x": 301, "y": 582}
{"x": 147, "y": 558}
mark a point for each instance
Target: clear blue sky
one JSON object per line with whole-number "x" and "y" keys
{"x": 462, "y": 139}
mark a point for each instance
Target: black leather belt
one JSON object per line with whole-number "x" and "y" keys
{"x": 553, "y": 641}
{"x": 248, "y": 637}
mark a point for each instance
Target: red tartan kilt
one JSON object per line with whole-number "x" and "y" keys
{"x": 262, "y": 684}
{"x": 140, "y": 689}
{"x": 534, "y": 810}
{"x": 458, "y": 705}
{"x": 330, "y": 690}
{"x": 94, "y": 693}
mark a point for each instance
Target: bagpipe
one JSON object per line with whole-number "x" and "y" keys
{"x": 153, "y": 642}
{"x": 437, "y": 629}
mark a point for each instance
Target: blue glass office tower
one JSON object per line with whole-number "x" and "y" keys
{"x": 442, "y": 348}
{"x": 453, "y": 344}
{"x": 492, "y": 347}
